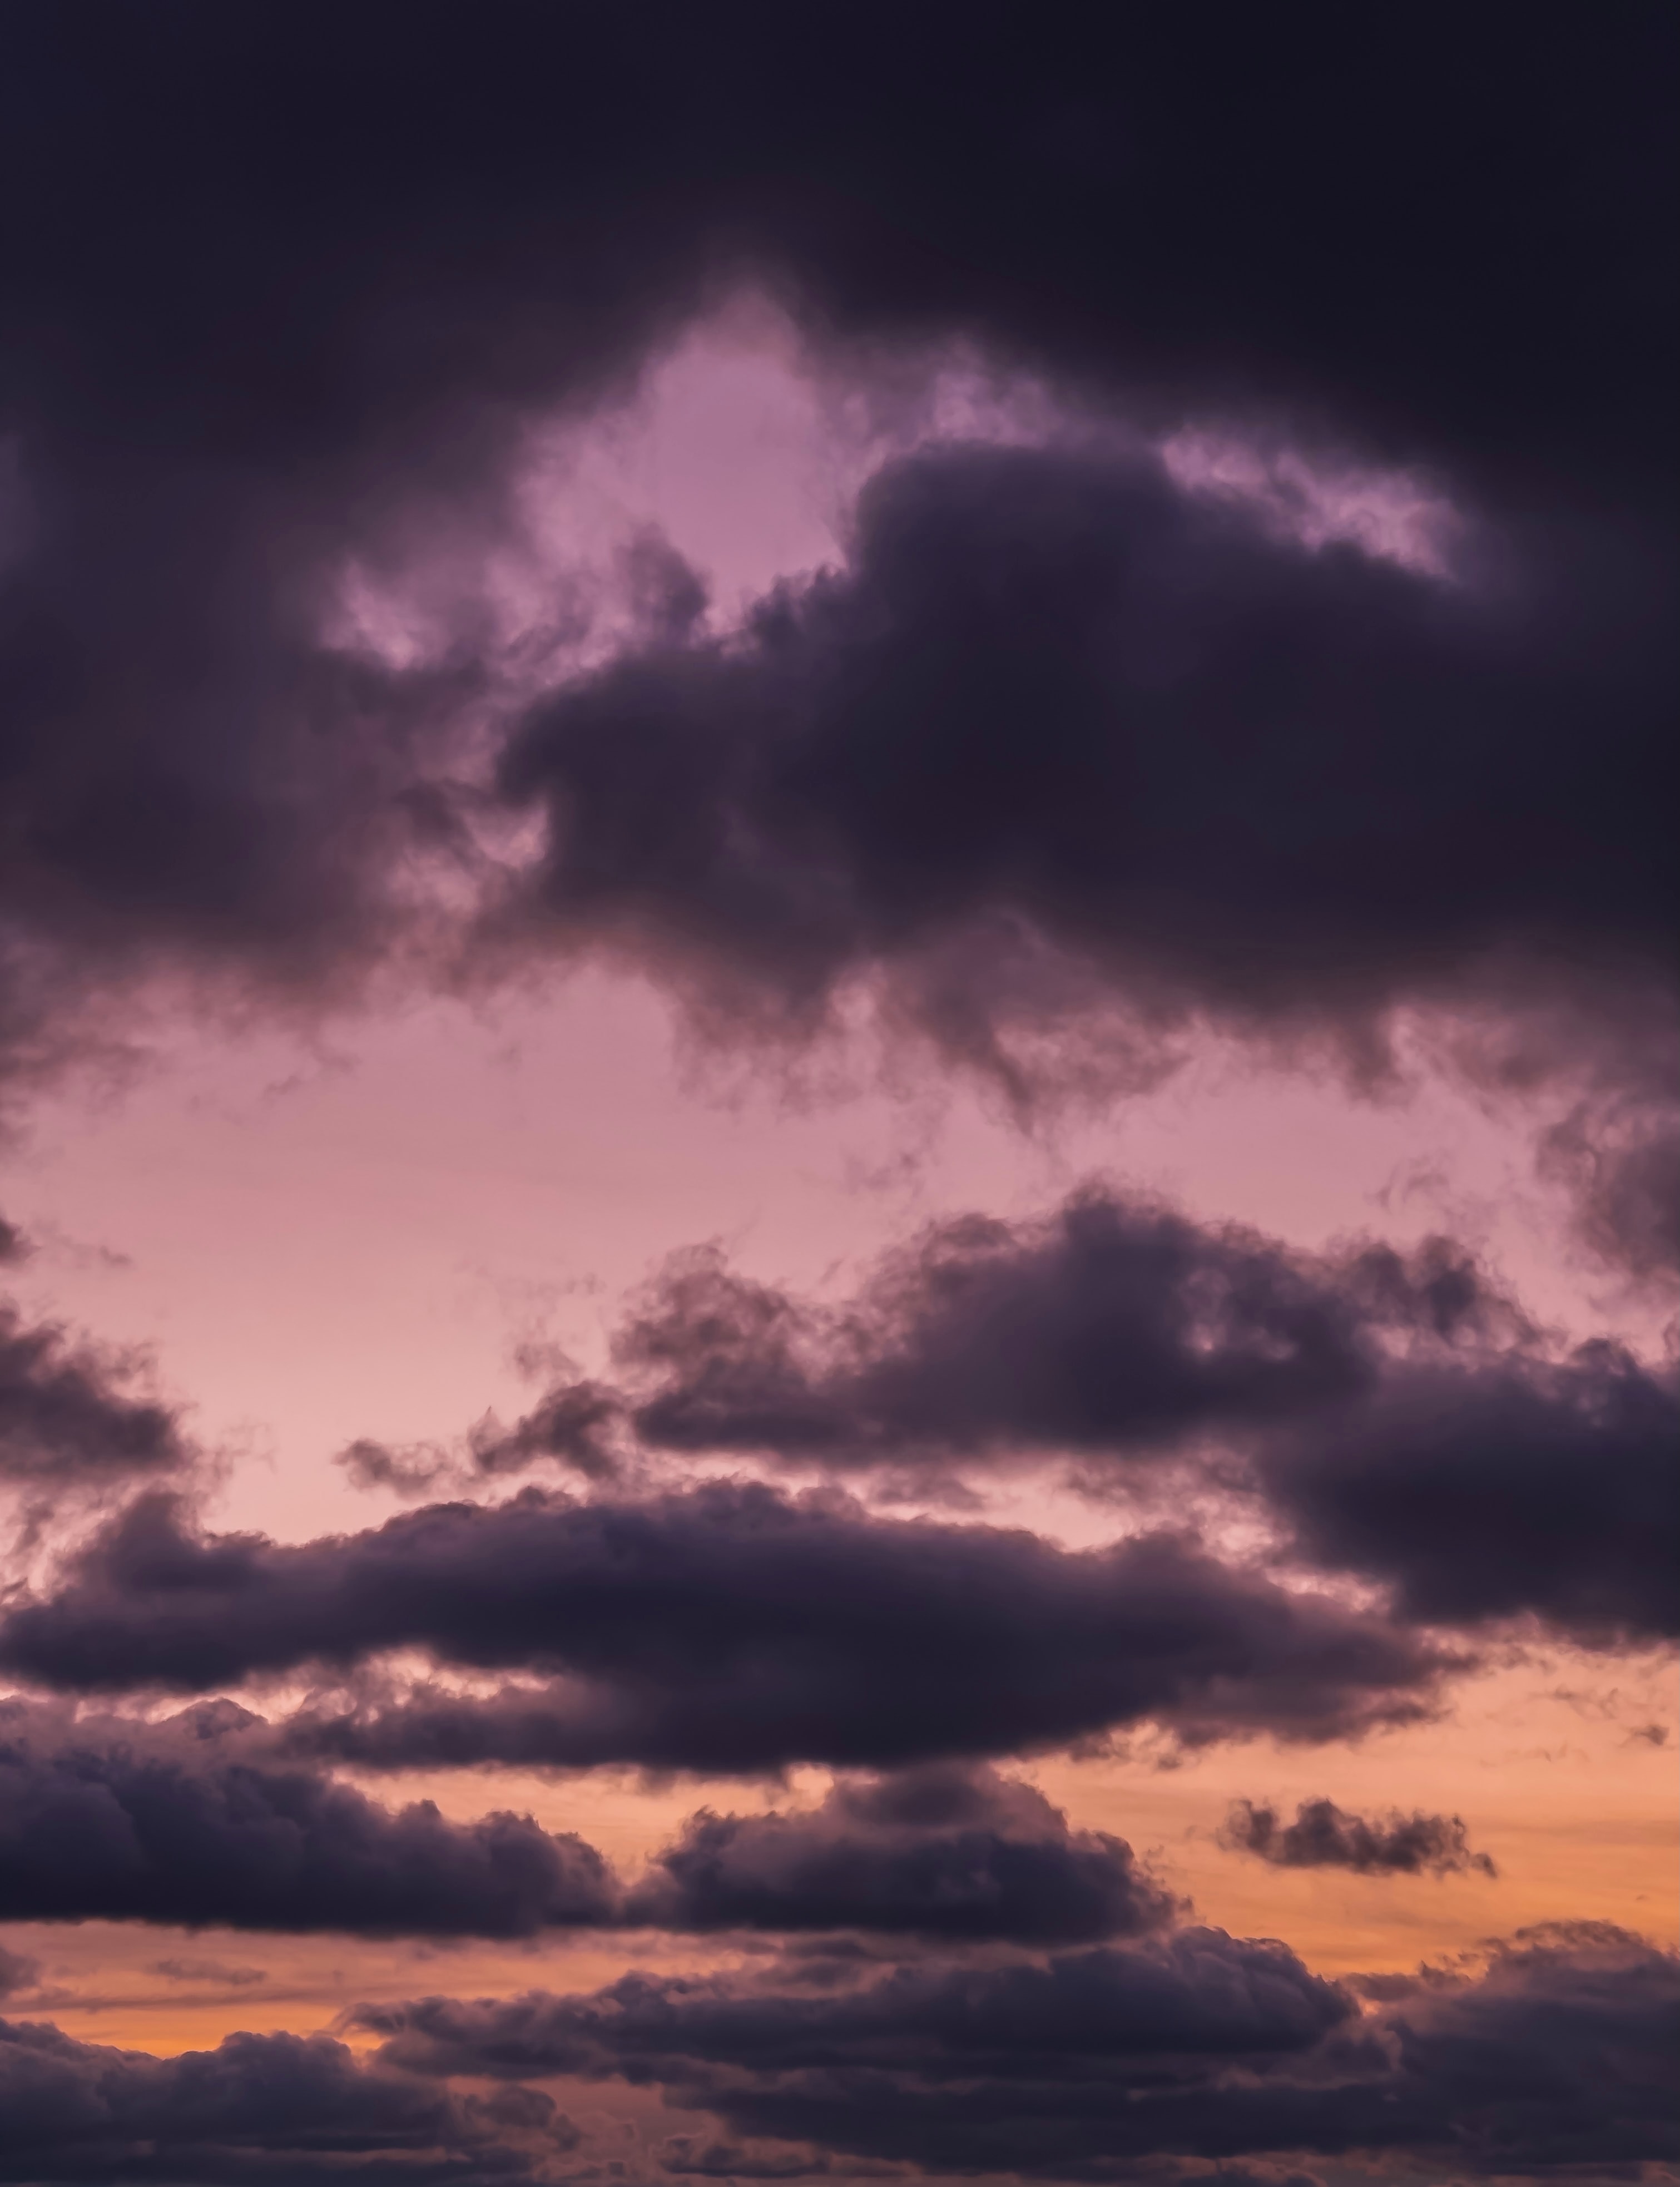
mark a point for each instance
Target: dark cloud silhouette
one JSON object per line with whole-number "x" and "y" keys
{"x": 941, "y": 1851}
{"x": 1325, "y": 1836}
{"x": 1202, "y": 2045}
{"x": 70, "y": 1413}
{"x": 1056, "y": 711}
{"x": 227, "y": 367}
{"x": 720, "y": 1628}
{"x": 1513, "y": 1488}
{"x": 190, "y": 1823}
{"x": 282, "y": 2110}
{"x": 196, "y": 1821}
{"x": 1113, "y": 1324}
{"x": 1396, "y": 1415}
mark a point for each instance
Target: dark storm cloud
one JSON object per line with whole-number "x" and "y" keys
{"x": 1054, "y": 701}
{"x": 279, "y": 2110}
{"x": 288, "y": 286}
{"x": 1115, "y": 1323}
{"x": 1202, "y": 2045}
{"x": 1397, "y": 1415}
{"x": 1150, "y": 206}
{"x": 1325, "y": 1836}
{"x": 1506, "y": 1490}
{"x": 69, "y": 1415}
{"x": 942, "y": 1852}
{"x": 191, "y": 1823}
{"x": 728, "y": 1627}
{"x": 199, "y": 1822}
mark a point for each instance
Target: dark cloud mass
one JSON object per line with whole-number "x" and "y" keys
{"x": 1325, "y": 1836}
{"x": 1399, "y": 1418}
{"x": 1068, "y": 763}
{"x": 1047, "y": 689}
{"x": 1201, "y": 2045}
{"x": 721, "y": 1628}
{"x": 280, "y": 2110}
{"x": 937, "y": 1852}
{"x": 199, "y": 1822}
{"x": 1053, "y": 696}
{"x": 69, "y": 1413}
{"x": 191, "y": 1824}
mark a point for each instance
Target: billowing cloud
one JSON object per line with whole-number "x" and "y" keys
{"x": 941, "y": 1851}
{"x": 258, "y": 2108}
{"x": 1325, "y": 1836}
{"x": 725, "y": 1627}
{"x": 1200, "y": 2045}
{"x": 198, "y": 1821}
{"x": 70, "y": 1414}
{"x": 1395, "y": 1415}
{"x": 191, "y": 1824}
{"x": 1208, "y": 771}
{"x": 1055, "y": 712}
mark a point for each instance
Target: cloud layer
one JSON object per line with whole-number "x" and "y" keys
{"x": 1203, "y": 2045}
{"x": 725, "y": 1627}
{"x": 199, "y": 1821}
{"x": 1393, "y": 1416}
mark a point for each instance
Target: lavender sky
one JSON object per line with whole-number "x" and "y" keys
{"x": 837, "y": 1056}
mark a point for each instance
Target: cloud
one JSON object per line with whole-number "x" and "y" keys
{"x": 720, "y": 1628}
{"x": 17, "y": 1973}
{"x": 69, "y": 1415}
{"x": 1325, "y": 1836}
{"x": 224, "y": 389}
{"x": 1198, "y": 2045}
{"x": 258, "y": 2108}
{"x": 1061, "y": 736}
{"x": 1394, "y": 1415}
{"x": 1114, "y": 1324}
{"x": 179, "y": 1970}
{"x": 191, "y": 1823}
{"x": 198, "y": 1821}
{"x": 956, "y": 1853}
{"x": 1511, "y": 1488}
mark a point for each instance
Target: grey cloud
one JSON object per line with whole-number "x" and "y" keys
{"x": 1394, "y": 1413}
{"x": 193, "y": 1824}
{"x": 1557, "y": 2055}
{"x": 721, "y": 1628}
{"x": 938, "y": 1851}
{"x": 1325, "y": 1836}
{"x": 282, "y": 2111}
{"x": 70, "y": 1413}
{"x": 200, "y": 1820}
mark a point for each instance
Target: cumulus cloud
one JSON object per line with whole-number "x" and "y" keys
{"x": 257, "y": 2108}
{"x": 190, "y": 1823}
{"x": 1325, "y": 1836}
{"x": 70, "y": 1413}
{"x": 1208, "y": 767}
{"x": 1396, "y": 1415}
{"x": 1198, "y": 2045}
{"x": 724, "y": 1627}
{"x": 199, "y": 1820}
{"x": 956, "y": 1853}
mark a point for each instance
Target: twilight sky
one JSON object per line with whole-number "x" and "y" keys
{"x": 838, "y": 1140}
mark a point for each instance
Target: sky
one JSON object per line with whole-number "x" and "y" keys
{"x": 840, "y": 1188}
